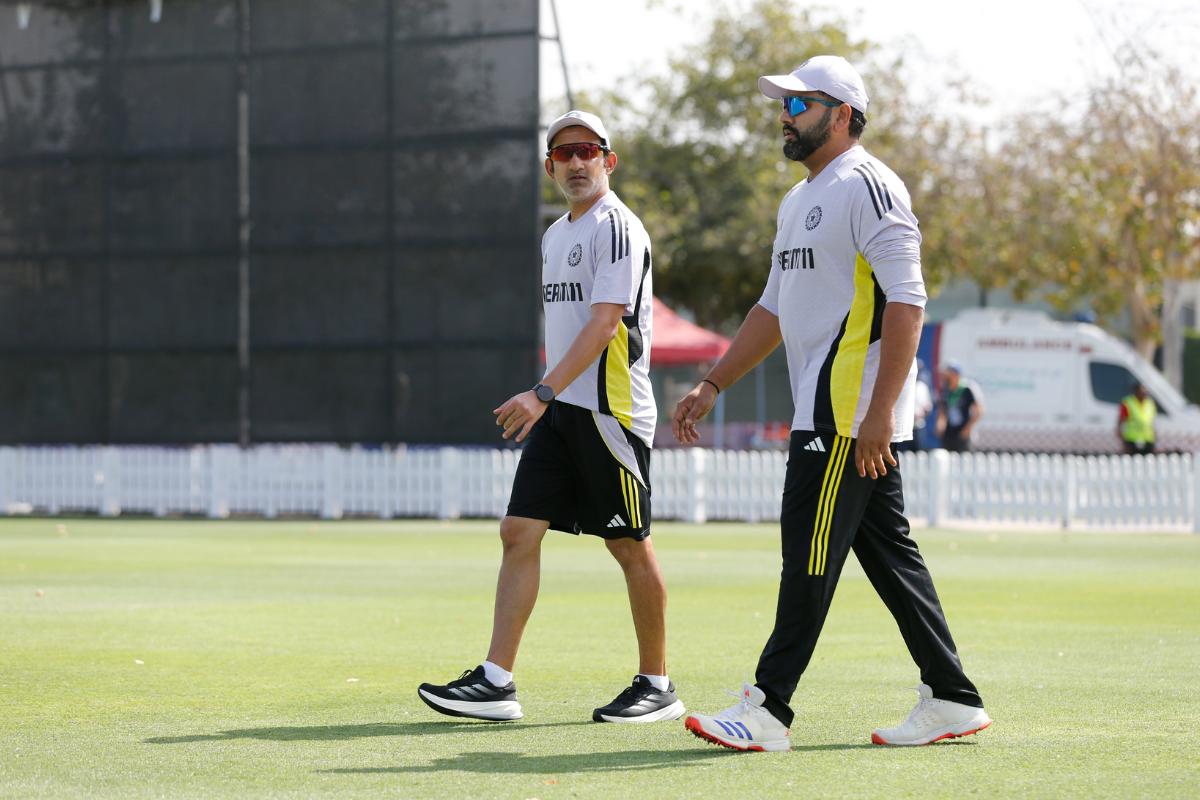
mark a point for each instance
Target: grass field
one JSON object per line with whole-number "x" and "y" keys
{"x": 196, "y": 659}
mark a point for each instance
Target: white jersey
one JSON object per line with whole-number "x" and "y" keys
{"x": 847, "y": 244}
{"x": 602, "y": 257}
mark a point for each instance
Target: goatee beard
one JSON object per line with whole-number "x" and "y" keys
{"x": 803, "y": 145}
{"x": 575, "y": 192}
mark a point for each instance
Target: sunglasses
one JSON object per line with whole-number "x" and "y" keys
{"x": 585, "y": 150}
{"x": 795, "y": 106}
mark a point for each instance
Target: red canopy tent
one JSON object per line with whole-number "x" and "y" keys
{"x": 677, "y": 341}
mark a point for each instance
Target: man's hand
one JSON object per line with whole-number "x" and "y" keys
{"x": 873, "y": 452}
{"x": 691, "y": 409}
{"x": 520, "y": 411}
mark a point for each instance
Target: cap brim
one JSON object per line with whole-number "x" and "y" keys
{"x": 777, "y": 86}
{"x": 560, "y": 126}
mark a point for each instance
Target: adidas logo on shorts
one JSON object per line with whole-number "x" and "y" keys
{"x": 616, "y": 522}
{"x": 815, "y": 445}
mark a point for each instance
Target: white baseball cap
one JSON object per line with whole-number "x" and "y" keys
{"x": 582, "y": 118}
{"x": 832, "y": 75}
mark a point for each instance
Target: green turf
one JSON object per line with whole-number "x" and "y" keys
{"x": 197, "y": 659}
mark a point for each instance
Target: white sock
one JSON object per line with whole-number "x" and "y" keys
{"x": 496, "y": 676}
{"x": 660, "y": 682}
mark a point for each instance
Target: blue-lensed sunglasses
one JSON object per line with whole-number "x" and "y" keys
{"x": 795, "y": 106}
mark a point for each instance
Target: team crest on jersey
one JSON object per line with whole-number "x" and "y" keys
{"x": 576, "y": 255}
{"x": 813, "y": 219}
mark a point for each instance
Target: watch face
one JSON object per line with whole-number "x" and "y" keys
{"x": 544, "y": 393}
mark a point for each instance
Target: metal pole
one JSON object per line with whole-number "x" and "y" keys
{"x": 243, "y": 169}
{"x": 109, "y": 100}
{"x": 562, "y": 56}
{"x": 389, "y": 205}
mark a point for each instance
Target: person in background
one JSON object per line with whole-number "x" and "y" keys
{"x": 1135, "y": 422}
{"x": 959, "y": 409}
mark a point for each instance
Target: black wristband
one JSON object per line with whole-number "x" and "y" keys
{"x": 710, "y": 383}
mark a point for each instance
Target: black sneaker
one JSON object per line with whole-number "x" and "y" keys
{"x": 641, "y": 702}
{"x": 473, "y": 696}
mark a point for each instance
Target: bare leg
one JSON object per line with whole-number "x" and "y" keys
{"x": 647, "y": 601}
{"x": 517, "y": 586}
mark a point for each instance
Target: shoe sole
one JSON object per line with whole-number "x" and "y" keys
{"x": 693, "y": 725}
{"x": 500, "y": 711}
{"x": 665, "y": 714}
{"x": 877, "y": 739}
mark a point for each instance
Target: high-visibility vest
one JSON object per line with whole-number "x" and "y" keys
{"x": 1138, "y": 427}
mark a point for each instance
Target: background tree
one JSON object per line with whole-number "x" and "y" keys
{"x": 707, "y": 172}
{"x": 1108, "y": 195}
{"x": 1087, "y": 204}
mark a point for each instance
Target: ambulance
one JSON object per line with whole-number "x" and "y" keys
{"x": 1051, "y": 386}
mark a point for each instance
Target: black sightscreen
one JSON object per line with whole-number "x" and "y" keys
{"x": 358, "y": 176}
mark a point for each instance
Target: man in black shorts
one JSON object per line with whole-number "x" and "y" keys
{"x": 590, "y": 424}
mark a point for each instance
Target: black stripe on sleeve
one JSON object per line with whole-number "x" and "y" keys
{"x": 612, "y": 226}
{"x": 619, "y": 253}
{"x": 626, "y": 250}
{"x": 870, "y": 190}
{"x": 885, "y": 199}
{"x": 880, "y": 185}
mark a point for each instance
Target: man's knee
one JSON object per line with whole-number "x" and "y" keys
{"x": 518, "y": 534}
{"x": 630, "y": 553}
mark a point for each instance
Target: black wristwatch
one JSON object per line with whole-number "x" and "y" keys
{"x": 544, "y": 393}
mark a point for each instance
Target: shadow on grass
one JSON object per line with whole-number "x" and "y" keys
{"x": 562, "y": 763}
{"x": 327, "y": 733}
{"x": 491, "y": 762}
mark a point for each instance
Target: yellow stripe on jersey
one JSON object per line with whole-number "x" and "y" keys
{"x": 846, "y": 374}
{"x": 618, "y": 382}
{"x": 819, "y": 549}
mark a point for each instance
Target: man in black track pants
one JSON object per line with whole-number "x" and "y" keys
{"x": 846, "y": 297}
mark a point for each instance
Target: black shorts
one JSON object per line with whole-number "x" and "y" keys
{"x": 584, "y": 473}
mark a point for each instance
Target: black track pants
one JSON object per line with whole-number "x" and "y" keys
{"x": 827, "y": 511}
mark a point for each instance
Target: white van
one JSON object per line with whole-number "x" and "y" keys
{"x": 1054, "y": 386}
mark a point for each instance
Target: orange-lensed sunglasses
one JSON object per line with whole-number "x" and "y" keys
{"x": 585, "y": 150}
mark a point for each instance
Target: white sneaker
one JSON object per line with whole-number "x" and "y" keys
{"x": 933, "y": 720}
{"x": 746, "y": 726}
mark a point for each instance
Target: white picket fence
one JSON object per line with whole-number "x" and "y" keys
{"x": 1100, "y": 492}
